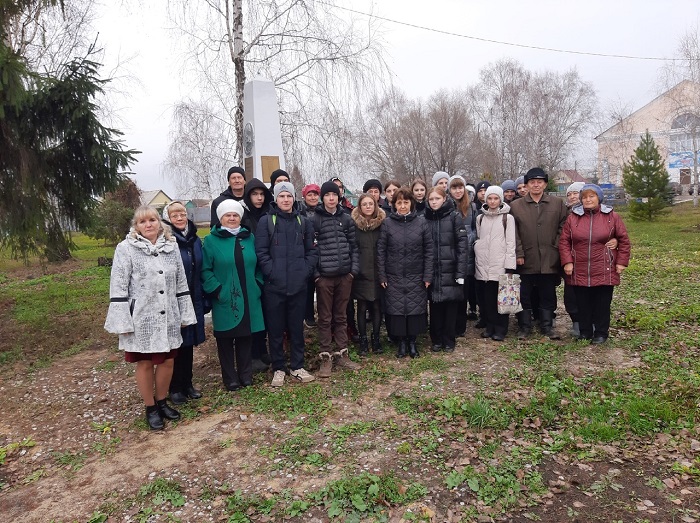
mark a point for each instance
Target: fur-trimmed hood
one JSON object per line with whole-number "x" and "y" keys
{"x": 363, "y": 223}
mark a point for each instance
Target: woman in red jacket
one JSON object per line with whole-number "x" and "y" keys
{"x": 592, "y": 268}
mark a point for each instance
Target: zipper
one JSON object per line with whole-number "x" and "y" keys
{"x": 590, "y": 240}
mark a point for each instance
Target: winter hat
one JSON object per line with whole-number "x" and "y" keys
{"x": 593, "y": 187}
{"x": 470, "y": 189}
{"x": 329, "y": 187}
{"x": 456, "y": 177}
{"x": 283, "y": 187}
{"x": 312, "y": 187}
{"x": 373, "y": 183}
{"x": 519, "y": 181}
{"x": 276, "y": 174}
{"x": 235, "y": 169}
{"x": 439, "y": 176}
{"x": 494, "y": 189}
{"x": 575, "y": 187}
{"x": 536, "y": 174}
{"x": 229, "y": 206}
{"x": 483, "y": 184}
{"x": 509, "y": 185}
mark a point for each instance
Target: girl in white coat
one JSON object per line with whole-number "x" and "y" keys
{"x": 149, "y": 302}
{"x": 494, "y": 253}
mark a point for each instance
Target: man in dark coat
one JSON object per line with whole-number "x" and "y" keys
{"x": 338, "y": 264}
{"x": 539, "y": 218}
{"x": 235, "y": 191}
{"x": 287, "y": 258}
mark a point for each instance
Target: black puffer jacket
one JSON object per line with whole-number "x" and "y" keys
{"x": 405, "y": 254}
{"x": 469, "y": 223}
{"x": 450, "y": 241}
{"x": 335, "y": 242}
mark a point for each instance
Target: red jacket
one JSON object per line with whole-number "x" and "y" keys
{"x": 582, "y": 242}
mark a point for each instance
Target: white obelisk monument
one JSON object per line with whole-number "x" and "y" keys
{"x": 262, "y": 139}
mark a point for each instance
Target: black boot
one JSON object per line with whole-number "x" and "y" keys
{"x": 178, "y": 398}
{"x": 376, "y": 345}
{"x": 401, "y": 352}
{"x": 546, "y": 320}
{"x": 153, "y": 418}
{"x": 524, "y": 323}
{"x": 412, "y": 349}
{"x": 364, "y": 346}
{"x": 192, "y": 393}
{"x": 166, "y": 411}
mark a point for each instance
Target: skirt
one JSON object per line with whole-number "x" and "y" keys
{"x": 155, "y": 357}
{"x": 401, "y": 326}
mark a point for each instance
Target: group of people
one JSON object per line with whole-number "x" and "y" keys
{"x": 437, "y": 248}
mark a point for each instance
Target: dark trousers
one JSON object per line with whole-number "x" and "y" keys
{"x": 236, "y": 363}
{"x": 570, "y": 303}
{"x": 285, "y": 313}
{"x": 443, "y": 316}
{"x": 546, "y": 288}
{"x": 332, "y": 295}
{"x": 182, "y": 369}
{"x": 462, "y": 305}
{"x": 375, "y": 313}
{"x": 495, "y": 323}
{"x": 310, "y": 289}
{"x": 594, "y": 309}
{"x": 470, "y": 289}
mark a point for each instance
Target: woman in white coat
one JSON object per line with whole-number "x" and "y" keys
{"x": 149, "y": 302}
{"x": 494, "y": 254}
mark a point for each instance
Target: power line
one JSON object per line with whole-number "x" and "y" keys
{"x": 499, "y": 42}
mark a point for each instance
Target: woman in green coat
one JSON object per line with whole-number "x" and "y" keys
{"x": 230, "y": 279}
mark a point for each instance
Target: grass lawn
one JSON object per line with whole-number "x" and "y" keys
{"x": 533, "y": 430}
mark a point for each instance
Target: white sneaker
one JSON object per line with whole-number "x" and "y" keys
{"x": 302, "y": 375}
{"x": 278, "y": 378}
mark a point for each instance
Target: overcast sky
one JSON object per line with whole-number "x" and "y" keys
{"x": 423, "y": 61}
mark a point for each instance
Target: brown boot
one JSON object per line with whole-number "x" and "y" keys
{"x": 342, "y": 360}
{"x": 326, "y": 365}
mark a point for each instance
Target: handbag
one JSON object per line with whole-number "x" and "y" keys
{"x": 509, "y": 294}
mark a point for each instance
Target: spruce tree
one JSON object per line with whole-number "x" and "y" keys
{"x": 56, "y": 155}
{"x": 646, "y": 180}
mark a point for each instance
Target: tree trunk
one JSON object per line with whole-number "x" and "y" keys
{"x": 234, "y": 22}
{"x": 57, "y": 245}
{"x": 695, "y": 167}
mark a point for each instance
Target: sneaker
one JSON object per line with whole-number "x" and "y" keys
{"x": 343, "y": 360}
{"x": 278, "y": 378}
{"x": 302, "y": 375}
{"x": 310, "y": 323}
{"x": 326, "y": 365}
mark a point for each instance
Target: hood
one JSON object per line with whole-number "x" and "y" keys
{"x": 504, "y": 208}
{"x": 363, "y": 223}
{"x": 444, "y": 210}
{"x": 139, "y": 242}
{"x": 578, "y": 209}
{"x": 252, "y": 210}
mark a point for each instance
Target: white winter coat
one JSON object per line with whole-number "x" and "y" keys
{"x": 494, "y": 250}
{"x": 149, "y": 297}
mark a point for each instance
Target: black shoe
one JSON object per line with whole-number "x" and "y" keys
{"x": 259, "y": 366}
{"x": 480, "y": 324}
{"x": 376, "y": 344}
{"x": 449, "y": 349}
{"x": 498, "y": 337}
{"x": 401, "y": 352}
{"x": 599, "y": 340}
{"x": 166, "y": 411}
{"x": 461, "y": 335}
{"x": 436, "y": 348}
{"x": 178, "y": 398}
{"x": 193, "y": 393}
{"x": 412, "y": 349}
{"x": 310, "y": 323}
{"x": 233, "y": 387}
{"x": 486, "y": 334}
{"x": 364, "y": 346}
{"x": 155, "y": 422}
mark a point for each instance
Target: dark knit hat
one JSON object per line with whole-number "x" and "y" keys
{"x": 276, "y": 174}
{"x": 373, "y": 183}
{"x": 235, "y": 169}
{"x": 536, "y": 174}
{"x": 509, "y": 185}
{"x": 329, "y": 187}
{"x": 483, "y": 184}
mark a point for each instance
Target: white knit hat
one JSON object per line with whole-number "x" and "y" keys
{"x": 229, "y": 206}
{"x": 494, "y": 189}
{"x": 575, "y": 187}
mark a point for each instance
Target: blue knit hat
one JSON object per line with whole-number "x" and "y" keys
{"x": 509, "y": 185}
{"x": 592, "y": 187}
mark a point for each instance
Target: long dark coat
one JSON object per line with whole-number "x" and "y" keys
{"x": 405, "y": 255}
{"x": 365, "y": 286}
{"x": 450, "y": 247}
{"x": 191, "y": 252}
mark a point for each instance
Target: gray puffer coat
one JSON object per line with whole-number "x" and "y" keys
{"x": 450, "y": 240}
{"x": 335, "y": 242}
{"x": 405, "y": 254}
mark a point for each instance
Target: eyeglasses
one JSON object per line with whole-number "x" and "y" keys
{"x": 179, "y": 215}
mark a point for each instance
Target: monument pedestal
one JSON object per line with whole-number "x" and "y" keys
{"x": 262, "y": 137}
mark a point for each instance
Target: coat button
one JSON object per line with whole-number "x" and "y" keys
{"x": 161, "y": 292}
{"x": 162, "y": 312}
{"x": 155, "y": 254}
{"x": 160, "y": 272}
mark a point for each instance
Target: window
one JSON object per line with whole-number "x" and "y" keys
{"x": 682, "y": 129}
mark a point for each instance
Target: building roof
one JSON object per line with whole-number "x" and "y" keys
{"x": 147, "y": 197}
{"x": 572, "y": 175}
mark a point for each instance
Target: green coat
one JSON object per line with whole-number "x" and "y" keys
{"x": 221, "y": 280}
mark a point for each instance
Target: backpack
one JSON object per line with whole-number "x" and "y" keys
{"x": 480, "y": 219}
{"x": 272, "y": 221}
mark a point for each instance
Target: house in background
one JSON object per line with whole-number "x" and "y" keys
{"x": 566, "y": 177}
{"x": 156, "y": 198}
{"x": 673, "y": 120}
{"x": 199, "y": 210}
